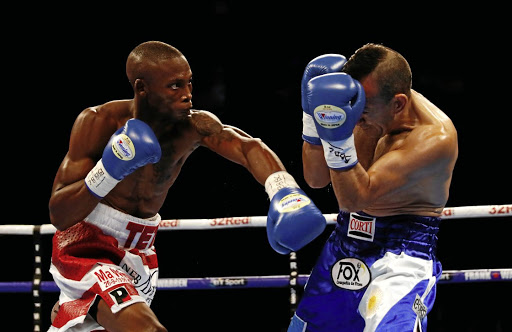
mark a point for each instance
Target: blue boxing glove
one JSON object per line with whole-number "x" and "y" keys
{"x": 293, "y": 219}
{"x": 323, "y": 64}
{"x": 132, "y": 146}
{"x": 336, "y": 102}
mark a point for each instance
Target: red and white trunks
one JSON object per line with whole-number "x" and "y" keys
{"x": 109, "y": 254}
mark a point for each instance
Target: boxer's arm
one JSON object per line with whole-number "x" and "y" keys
{"x": 315, "y": 169}
{"x": 293, "y": 220}
{"x": 365, "y": 139}
{"x": 237, "y": 146}
{"x": 70, "y": 200}
{"x": 425, "y": 152}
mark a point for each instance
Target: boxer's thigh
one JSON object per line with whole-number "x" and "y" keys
{"x": 135, "y": 317}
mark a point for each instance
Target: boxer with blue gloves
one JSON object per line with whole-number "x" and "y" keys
{"x": 123, "y": 158}
{"x": 378, "y": 270}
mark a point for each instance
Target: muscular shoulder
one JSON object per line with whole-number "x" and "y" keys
{"x": 108, "y": 116}
{"x": 435, "y": 141}
{"x": 94, "y": 126}
{"x": 436, "y": 130}
{"x": 206, "y": 123}
{"x": 118, "y": 111}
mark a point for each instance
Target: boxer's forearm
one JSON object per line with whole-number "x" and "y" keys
{"x": 316, "y": 172}
{"x": 352, "y": 188}
{"x": 261, "y": 160}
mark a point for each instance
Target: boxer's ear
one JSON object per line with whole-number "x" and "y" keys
{"x": 139, "y": 87}
{"x": 398, "y": 102}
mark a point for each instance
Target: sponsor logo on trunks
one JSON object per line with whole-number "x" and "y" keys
{"x": 330, "y": 116}
{"x": 419, "y": 308}
{"x": 351, "y": 274}
{"x": 122, "y": 147}
{"x": 108, "y": 277}
{"x": 146, "y": 236}
{"x": 120, "y": 295}
{"x": 143, "y": 283}
{"x": 361, "y": 227}
{"x": 293, "y": 202}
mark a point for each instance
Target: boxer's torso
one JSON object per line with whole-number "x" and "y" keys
{"x": 143, "y": 192}
{"x": 427, "y": 193}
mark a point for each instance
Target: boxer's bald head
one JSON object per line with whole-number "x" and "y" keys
{"x": 146, "y": 56}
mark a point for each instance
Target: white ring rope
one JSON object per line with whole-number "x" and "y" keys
{"x": 461, "y": 212}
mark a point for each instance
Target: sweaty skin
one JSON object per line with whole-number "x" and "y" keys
{"x": 162, "y": 99}
{"x": 143, "y": 192}
{"x": 407, "y": 151}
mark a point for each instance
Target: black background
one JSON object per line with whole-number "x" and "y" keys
{"x": 247, "y": 61}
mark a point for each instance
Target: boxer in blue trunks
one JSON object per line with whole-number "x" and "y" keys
{"x": 389, "y": 154}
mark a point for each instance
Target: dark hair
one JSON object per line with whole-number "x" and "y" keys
{"x": 392, "y": 72}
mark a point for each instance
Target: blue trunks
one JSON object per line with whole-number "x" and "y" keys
{"x": 373, "y": 274}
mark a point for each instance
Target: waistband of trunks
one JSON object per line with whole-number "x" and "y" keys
{"x": 129, "y": 231}
{"x": 102, "y": 212}
{"x": 361, "y": 231}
